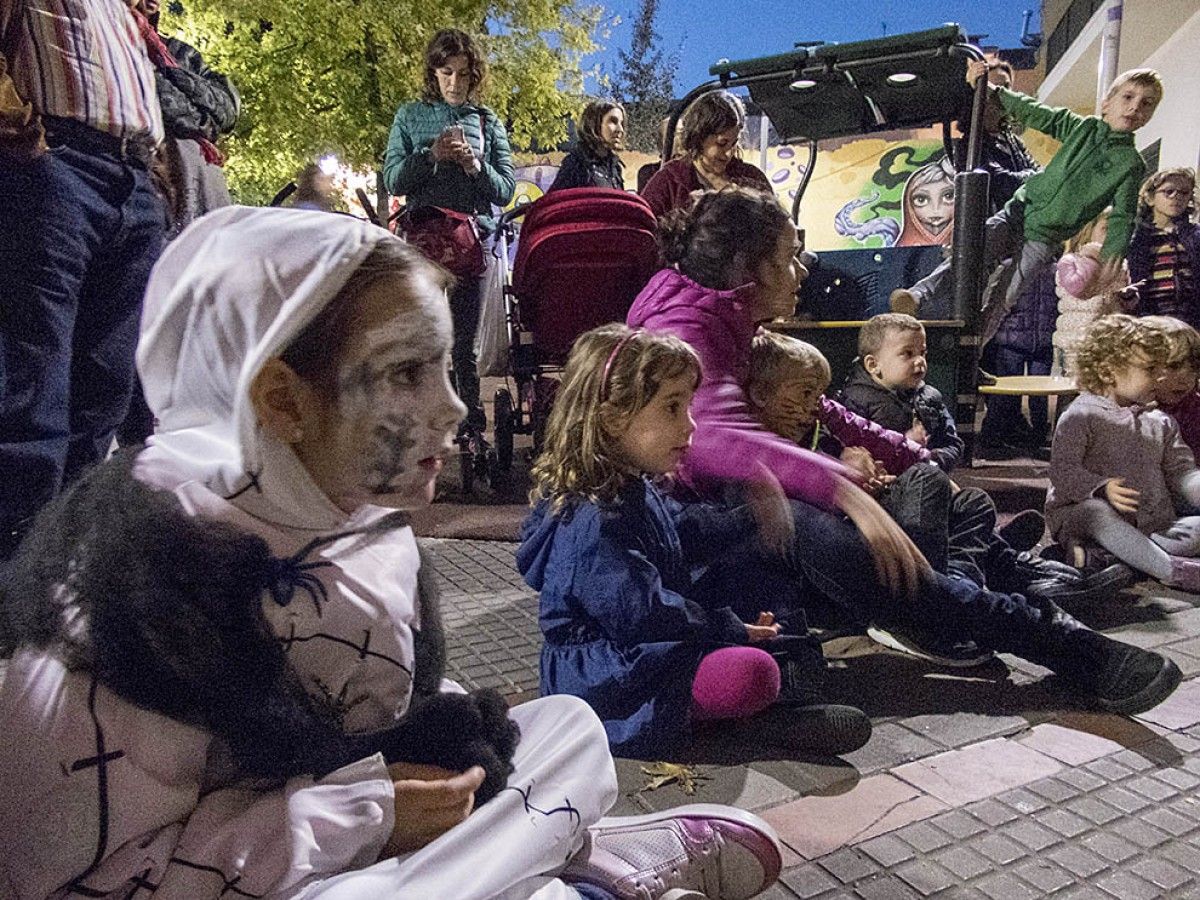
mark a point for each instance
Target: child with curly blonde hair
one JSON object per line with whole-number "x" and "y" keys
{"x": 1118, "y": 467}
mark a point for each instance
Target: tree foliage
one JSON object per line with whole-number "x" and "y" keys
{"x": 645, "y": 80}
{"x": 326, "y": 76}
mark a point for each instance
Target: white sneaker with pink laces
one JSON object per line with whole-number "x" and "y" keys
{"x": 703, "y": 850}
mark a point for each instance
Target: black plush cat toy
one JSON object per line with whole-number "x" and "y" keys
{"x": 171, "y": 608}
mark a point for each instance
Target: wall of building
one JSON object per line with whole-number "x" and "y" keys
{"x": 1177, "y": 120}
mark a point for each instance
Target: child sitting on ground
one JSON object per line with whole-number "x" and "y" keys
{"x": 1098, "y": 165}
{"x": 887, "y": 385}
{"x": 954, "y": 528}
{"x": 1176, "y": 390}
{"x": 619, "y": 611}
{"x": 1119, "y": 468}
{"x": 1164, "y": 255}
{"x": 1082, "y": 296}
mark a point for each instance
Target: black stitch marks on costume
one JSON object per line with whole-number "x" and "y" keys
{"x": 286, "y": 576}
{"x": 361, "y": 649}
{"x": 230, "y": 883}
{"x": 80, "y": 764}
{"x": 252, "y": 483}
{"x": 568, "y": 808}
{"x": 101, "y": 760}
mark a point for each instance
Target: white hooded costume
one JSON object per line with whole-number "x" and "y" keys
{"x": 101, "y": 798}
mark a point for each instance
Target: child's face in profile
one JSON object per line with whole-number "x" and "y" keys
{"x": 900, "y": 362}
{"x": 1136, "y": 382}
{"x": 1130, "y": 107}
{"x": 789, "y": 406}
{"x": 655, "y": 438}
{"x": 1175, "y": 383}
{"x": 384, "y": 435}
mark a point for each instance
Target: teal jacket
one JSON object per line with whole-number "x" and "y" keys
{"x": 1096, "y": 167}
{"x": 410, "y": 170}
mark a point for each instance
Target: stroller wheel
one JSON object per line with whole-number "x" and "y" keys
{"x": 502, "y": 409}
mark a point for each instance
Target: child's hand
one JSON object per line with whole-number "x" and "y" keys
{"x": 763, "y": 629}
{"x": 1129, "y": 296}
{"x": 429, "y": 802}
{"x": 772, "y": 511}
{"x": 976, "y": 68}
{"x": 1121, "y": 498}
{"x": 859, "y": 459}
{"x": 917, "y": 434}
{"x": 1110, "y": 276}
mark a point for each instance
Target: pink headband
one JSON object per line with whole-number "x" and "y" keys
{"x": 612, "y": 358}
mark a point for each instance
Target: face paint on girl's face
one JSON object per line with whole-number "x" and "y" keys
{"x": 393, "y": 419}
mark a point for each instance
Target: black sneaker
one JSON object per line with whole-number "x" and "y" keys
{"x": 1091, "y": 588}
{"x": 1121, "y": 678}
{"x": 1024, "y": 531}
{"x": 805, "y": 721}
{"x": 954, "y": 654}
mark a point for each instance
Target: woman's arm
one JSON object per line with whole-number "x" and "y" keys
{"x": 891, "y": 448}
{"x": 405, "y": 166}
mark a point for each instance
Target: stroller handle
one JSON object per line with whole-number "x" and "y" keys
{"x": 513, "y": 214}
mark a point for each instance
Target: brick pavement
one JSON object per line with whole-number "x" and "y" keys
{"x": 985, "y": 784}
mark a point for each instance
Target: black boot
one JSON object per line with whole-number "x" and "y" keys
{"x": 1061, "y": 583}
{"x": 1119, "y": 677}
{"x": 1024, "y": 531}
{"x": 807, "y": 721}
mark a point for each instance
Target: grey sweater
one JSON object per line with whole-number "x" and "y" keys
{"x": 1097, "y": 440}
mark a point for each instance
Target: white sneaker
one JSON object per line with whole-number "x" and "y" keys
{"x": 698, "y": 851}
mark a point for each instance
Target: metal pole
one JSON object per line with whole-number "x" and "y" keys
{"x": 1110, "y": 49}
{"x": 764, "y": 129}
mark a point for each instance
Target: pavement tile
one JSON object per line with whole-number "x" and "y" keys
{"x": 884, "y": 887}
{"x": 956, "y": 823}
{"x": 887, "y": 850}
{"x": 1170, "y": 822}
{"x": 1063, "y": 822}
{"x": 1078, "y": 860}
{"x": 1109, "y": 769}
{"x": 1002, "y": 886}
{"x": 1043, "y": 875}
{"x": 1053, "y": 789}
{"x": 1127, "y": 886}
{"x": 1093, "y": 810}
{"x": 1161, "y": 873}
{"x": 923, "y": 837}
{"x": 925, "y": 876}
{"x": 890, "y": 745}
{"x": 1113, "y": 847}
{"x": 1150, "y": 788}
{"x": 1082, "y": 779}
{"x": 848, "y": 865}
{"x": 957, "y": 729}
{"x": 963, "y": 862}
{"x": 991, "y": 812}
{"x": 814, "y": 826}
{"x": 997, "y": 848}
{"x": 1082, "y": 892}
{"x": 1184, "y": 855}
{"x": 1189, "y": 665}
{"x": 1068, "y": 745}
{"x": 1022, "y": 801}
{"x": 1178, "y": 778}
{"x": 1029, "y": 834}
{"x": 808, "y": 881}
{"x": 978, "y": 771}
{"x": 742, "y": 787}
{"x": 1139, "y": 833}
{"x": 1180, "y": 710}
{"x": 1125, "y": 801}
{"x": 1189, "y": 807}
{"x": 1134, "y": 760}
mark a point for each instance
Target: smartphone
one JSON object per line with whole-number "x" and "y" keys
{"x": 455, "y": 132}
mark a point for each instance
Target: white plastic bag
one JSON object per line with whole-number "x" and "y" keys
{"x": 491, "y": 340}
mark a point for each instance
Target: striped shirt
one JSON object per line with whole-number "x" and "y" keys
{"x": 1168, "y": 290}
{"x": 82, "y": 60}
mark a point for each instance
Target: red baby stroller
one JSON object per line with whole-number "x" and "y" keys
{"x": 584, "y": 254}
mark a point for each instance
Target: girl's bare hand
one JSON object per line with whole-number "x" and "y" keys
{"x": 1123, "y": 499}
{"x": 899, "y": 565}
{"x": 759, "y": 633}
{"x": 429, "y": 802}
{"x": 772, "y": 511}
{"x": 976, "y": 68}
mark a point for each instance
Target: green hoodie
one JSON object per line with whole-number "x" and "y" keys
{"x": 1095, "y": 167}
{"x": 410, "y": 170}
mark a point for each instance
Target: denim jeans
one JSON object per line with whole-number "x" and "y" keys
{"x": 79, "y": 233}
{"x": 464, "y": 314}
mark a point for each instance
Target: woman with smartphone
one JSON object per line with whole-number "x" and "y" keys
{"x": 449, "y": 150}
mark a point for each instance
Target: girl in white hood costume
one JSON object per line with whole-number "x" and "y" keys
{"x": 194, "y": 663}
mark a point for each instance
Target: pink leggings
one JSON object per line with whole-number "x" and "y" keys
{"x": 734, "y": 682}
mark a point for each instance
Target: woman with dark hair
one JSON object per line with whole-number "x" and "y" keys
{"x": 733, "y": 265}
{"x": 449, "y": 150}
{"x": 711, "y": 130}
{"x": 594, "y": 161}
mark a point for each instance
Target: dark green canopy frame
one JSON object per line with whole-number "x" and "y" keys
{"x": 819, "y": 91}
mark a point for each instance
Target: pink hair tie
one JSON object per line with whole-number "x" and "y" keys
{"x": 612, "y": 358}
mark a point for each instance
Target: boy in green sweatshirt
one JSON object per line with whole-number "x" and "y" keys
{"x": 1097, "y": 166}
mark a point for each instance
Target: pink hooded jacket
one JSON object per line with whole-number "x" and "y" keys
{"x": 729, "y": 443}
